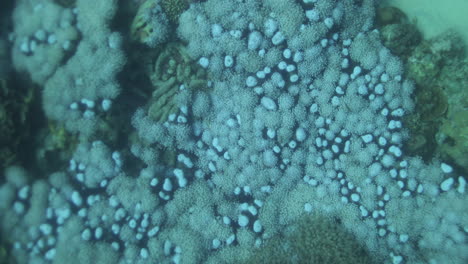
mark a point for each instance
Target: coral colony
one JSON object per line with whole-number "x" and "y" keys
{"x": 262, "y": 113}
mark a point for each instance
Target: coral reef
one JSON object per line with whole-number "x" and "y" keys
{"x": 398, "y": 34}
{"x": 173, "y": 70}
{"x": 245, "y": 131}
{"x": 452, "y": 137}
{"x": 173, "y": 8}
{"x": 150, "y": 24}
{"x": 312, "y": 239}
{"x": 15, "y": 121}
{"x": 439, "y": 68}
